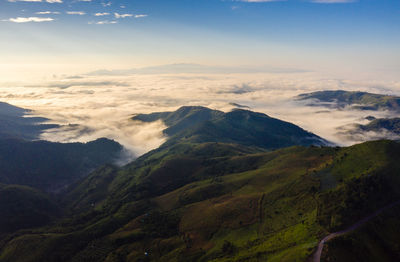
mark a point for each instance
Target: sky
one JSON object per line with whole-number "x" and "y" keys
{"x": 343, "y": 37}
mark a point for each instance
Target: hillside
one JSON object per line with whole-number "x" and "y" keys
{"x": 200, "y": 124}
{"x": 356, "y": 100}
{"x": 52, "y": 166}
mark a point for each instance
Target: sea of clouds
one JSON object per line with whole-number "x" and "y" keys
{"x": 101, "y": 104}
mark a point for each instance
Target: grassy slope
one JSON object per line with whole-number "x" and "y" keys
{"x": 219, "y": 202}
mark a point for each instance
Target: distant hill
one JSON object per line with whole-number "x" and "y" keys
{"x": 16, "y": 123}
{"x": 200, "y": 124}
{"x": 52, "y": 166}
{"x": 389, "y": 124}
{"x": 377, "y": 128}
{"x": 357, "y": 100}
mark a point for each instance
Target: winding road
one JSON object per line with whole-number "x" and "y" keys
{"x": 317, "y": 254}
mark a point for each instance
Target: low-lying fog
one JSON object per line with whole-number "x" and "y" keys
{"x": 101, "y": 105}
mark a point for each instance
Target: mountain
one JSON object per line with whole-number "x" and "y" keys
{"x": 52, "y": 166}
{"x": 356, "y": 100}
{"x": 200, "y": 124}
{"x": 15, "y": 122}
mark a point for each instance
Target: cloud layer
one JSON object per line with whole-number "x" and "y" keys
{"x": 96, "y": 105}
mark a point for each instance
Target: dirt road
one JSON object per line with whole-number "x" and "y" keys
{"x": 317, "y": 254}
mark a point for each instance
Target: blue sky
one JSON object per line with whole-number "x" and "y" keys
{"x": 362, "y": 35}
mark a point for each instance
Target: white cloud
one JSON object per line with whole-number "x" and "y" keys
{"x": 106, "y": 22}
{"x": 122, "y": 15}
{"x": 47, "y": 13}
{"x": 101, "y": 14}
{"x": 140, "y": 16}
{"x": 76, "y": 13}
{"x": 47, "y": 1}
{"x": 30, "y": 19}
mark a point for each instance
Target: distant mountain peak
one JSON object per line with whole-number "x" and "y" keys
{"x": 240, "y": 126}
